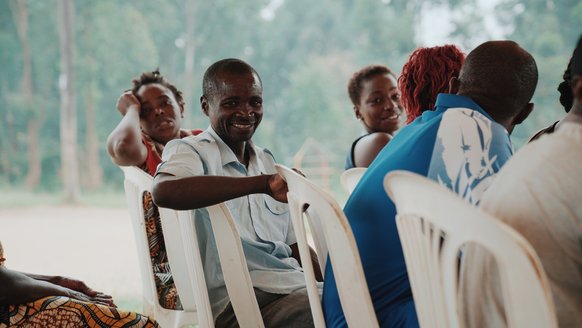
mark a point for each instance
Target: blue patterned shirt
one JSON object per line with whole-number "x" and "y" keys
{"x": 458, "y": 145}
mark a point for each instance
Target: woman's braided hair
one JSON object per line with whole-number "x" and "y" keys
{"x": 155, "y": 77}
{"x": 426, "y": 74}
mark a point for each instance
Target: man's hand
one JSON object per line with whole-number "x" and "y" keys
{"x": 127, "y": 100}
{"x": 277, "y": 188}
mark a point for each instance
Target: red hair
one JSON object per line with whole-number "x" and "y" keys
{"x": 426, "y": 74}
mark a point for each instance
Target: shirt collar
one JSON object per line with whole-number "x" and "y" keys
{"x": 446, "y": 100}
{"x": 227, "y": 156}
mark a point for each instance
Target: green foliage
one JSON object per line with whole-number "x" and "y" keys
{"x": 305, "y": 52}
{"x": 547, "y": 30}
{"x": 316, "y": 105}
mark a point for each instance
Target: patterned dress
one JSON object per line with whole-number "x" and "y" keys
{"x": 166, "y": 289}
{"x": 61, "y": 311}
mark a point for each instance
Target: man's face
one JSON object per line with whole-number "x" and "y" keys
{"x": 160, "y": 114}
{"x": 236, "y": 109}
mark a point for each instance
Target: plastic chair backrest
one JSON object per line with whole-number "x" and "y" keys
{"x": 186, "y": 258}
{"x": 343, "y": 253}
{"x": 136, "y": 183}
{"x": 349, "y": 178}
{"x": 234, "y": 267}
{"x": 433, "y": 224}
{"x": 316, "y": 230}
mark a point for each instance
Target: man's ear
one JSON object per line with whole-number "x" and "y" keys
{"x": 204, "y": 105}
{"x": 523, "y": 114}
{"x": 454, "y": 85}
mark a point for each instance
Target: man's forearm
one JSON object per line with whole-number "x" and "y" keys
{"x": 202, "y": 191}
{"x": 314, "y": 260}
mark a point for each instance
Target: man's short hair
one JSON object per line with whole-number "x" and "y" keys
{"x": 230, "y": 66}
{"x": 501, "y": 71}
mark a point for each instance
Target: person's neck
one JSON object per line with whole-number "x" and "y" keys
{"x": 574, "y": 115}
{"x": 241, "y": 152}
{"x": 489, "y": 105}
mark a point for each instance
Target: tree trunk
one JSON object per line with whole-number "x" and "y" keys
{"x": 94, "y": 176}
{"x": 8, "y": 145}
{"x": 189, "y": 69}
{"x": 20, "y": 14}
{"x": 68, "y": 112}
{"x": 33, "y": 176}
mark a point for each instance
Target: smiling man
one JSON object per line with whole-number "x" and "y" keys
{"x": 223, "y": 165}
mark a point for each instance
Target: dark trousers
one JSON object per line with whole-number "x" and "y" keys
{"x": 278, "y": 310}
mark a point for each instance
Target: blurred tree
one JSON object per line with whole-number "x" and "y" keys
{"x": 26, "y": 92}
{"x": 305, "y": 52}
{"x": 316, "y": 105}
{"x": 190, "y": 46}
{"x": 68, "y": 117}
{"x": 104, "y": 68}
{"x": 546, "y": 28}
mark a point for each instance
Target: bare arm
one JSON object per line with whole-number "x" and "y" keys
{"x": 201, "y": 191}
{"x": 124, "y": 143}
{"x": 314, "y": 260}
{"x": 368, "y": 148}
{"x": 18, "y": 288}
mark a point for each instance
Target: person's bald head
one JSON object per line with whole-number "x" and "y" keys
{"x": 501, "y": 77}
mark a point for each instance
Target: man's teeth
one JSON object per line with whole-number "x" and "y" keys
{"x": 242, "y": 126}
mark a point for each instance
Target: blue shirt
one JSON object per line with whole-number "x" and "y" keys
{"x": 457, "y": 145}
{"x": 262, "y": 222}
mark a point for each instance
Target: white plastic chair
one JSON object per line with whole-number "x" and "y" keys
{"x": 232, "y": 260}
{"x": 136, "y": 183}
{"x": 433, "y": 224}
{"x": 349, "y": 178}
{"x": 343, "y": 253}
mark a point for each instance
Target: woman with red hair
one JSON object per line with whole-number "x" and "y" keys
{"x": 426, "y": 74}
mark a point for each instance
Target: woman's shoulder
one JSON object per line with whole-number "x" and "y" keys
{"x": 373, "y": 138}
{"x": 366, "y": 149}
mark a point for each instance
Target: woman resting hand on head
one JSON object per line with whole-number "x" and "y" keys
{"x": 152, "y": 116}
{"x": 376, "y": 99}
